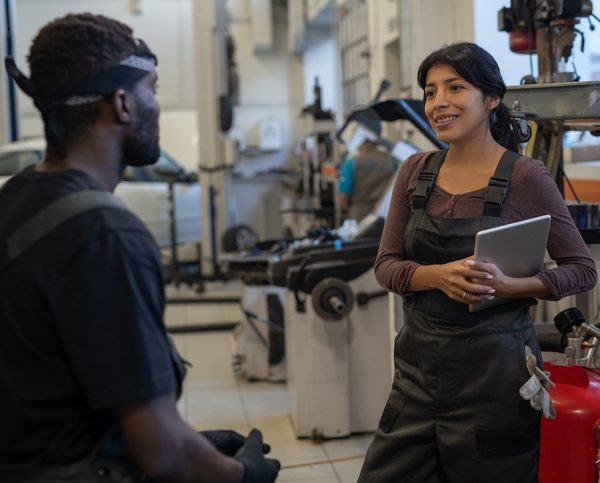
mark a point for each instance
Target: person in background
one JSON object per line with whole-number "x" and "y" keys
{"x": 454, "y": 414}
{"x": 89, "y": 377}
{"x": 363, "y": 178}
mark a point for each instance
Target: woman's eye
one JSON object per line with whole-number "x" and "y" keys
{"x": 456, "y": 87}
{"x": 429, "y": 94}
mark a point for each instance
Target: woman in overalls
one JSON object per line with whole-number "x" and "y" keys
{"x": 454, "y": 414}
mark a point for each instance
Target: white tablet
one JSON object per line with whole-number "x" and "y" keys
{"x": 518, "y": 249}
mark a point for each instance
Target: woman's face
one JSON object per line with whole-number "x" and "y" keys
{"x": 456, "y": 109}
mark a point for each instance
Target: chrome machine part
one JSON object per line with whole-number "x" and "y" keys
{"x": 555, "y": 108}
{"x": 583, "y": 339}
{"x": 591, "y": 346}
{"x": 546, "y": 28}
{"x": 332, "y": 299}
{"x": 574, "y": 352}
{"x": 520, "y": 124}
{"x": 553, "y": 100}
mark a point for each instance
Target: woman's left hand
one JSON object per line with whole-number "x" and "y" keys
{"x": 499, "y": 281}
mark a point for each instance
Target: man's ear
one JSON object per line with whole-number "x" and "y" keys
{"x": 122, "y": 106}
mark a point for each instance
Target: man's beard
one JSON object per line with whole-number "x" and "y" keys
{"x": 141, "y": 147}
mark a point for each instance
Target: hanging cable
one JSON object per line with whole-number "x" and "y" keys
{"x": 566, "y": 178}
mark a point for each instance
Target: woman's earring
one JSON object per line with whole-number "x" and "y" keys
{"x": 493, "y": 117}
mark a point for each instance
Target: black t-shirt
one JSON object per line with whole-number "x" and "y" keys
{"x": 81, "y": 324}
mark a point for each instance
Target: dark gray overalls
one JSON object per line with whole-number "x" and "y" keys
{"x": 110, "y": 461}
{"x": 455, "y": 413}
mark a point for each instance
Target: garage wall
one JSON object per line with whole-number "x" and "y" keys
{"x": 383, "y": 37}
{"x": 270, "y": 81}
{"x": 434, "y": 24}
{"x": 271, "y": 88}
{"x": 166, "y": 25}
{"x": 401, "y": 34}
{"x": 321, "y": 59}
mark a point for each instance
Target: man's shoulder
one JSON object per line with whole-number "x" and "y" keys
{"x": 66, "y": 210}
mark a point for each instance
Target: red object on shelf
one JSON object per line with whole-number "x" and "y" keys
{"x": 569, "y": 447}
{"x": 522, "y": 41}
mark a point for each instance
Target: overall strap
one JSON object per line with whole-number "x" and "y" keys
{"x": 498, "y": 186}
{"x": 426, "y": 180}
{"x": 54, "y": 215}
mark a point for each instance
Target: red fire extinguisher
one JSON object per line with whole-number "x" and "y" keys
{"x": 570, "y": 444}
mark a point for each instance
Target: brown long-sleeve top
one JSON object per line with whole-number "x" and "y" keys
{"x": 532, "y": 192}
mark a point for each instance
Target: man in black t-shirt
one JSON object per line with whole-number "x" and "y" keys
{"x": 88, "y": 375}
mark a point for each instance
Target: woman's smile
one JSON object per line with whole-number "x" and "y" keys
{"x": 456, "y": 109}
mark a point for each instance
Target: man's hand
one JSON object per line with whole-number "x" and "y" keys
{"x": 228, "y": 442}
{"x": 258, "y": 468}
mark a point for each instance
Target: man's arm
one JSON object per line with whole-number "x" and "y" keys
{"x": 346, "y": 185}
{"x": 344, "y": 200}
{"x": 167, "y": 449}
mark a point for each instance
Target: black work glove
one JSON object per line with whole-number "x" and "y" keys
{"x": 228, "y": 441}
{"x": 258, "y": 468}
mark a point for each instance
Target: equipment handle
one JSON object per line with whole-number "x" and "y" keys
{"x": 552, "y": 342}
{"x": 337, "y": 304}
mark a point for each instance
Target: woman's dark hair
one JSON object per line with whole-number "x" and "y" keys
{"x": 65, "y": 53}
{"x": 479, "y": 68}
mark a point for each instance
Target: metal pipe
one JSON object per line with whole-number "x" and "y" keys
{"x": 591, "y": 330}
{"x": 12, "y": 93}
{"x": 337, "y": 304}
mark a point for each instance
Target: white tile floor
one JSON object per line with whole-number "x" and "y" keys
{"x": 215, "y": 398}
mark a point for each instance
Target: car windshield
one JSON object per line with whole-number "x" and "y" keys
{"x": 160, "y": 171}
{"x": 11, "y": 162}
{"x": 14, "y": 161}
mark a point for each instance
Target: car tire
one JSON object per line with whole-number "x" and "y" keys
{"x": 238, "y": 238}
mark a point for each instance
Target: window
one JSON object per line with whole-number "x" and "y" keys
{"x": 13, "y": 162}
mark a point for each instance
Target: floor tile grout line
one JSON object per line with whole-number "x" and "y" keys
{"x": 246, "y": 398}
{"x": 332, "y": 465}
{"x": 327, "y": 461}
{"x": 238, "y": 382}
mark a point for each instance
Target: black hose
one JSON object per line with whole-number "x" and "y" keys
{"x": 552, "y": 342}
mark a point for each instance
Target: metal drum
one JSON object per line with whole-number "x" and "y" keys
{"x": 569, "y": 449}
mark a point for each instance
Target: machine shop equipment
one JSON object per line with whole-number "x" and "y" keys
{"x": 371, "y": 117}
{"x": 554, "y": 109}
{"x": 264, "y": 268}
{"x": 311, "y": 200}
{"x": 547, "y": 28}
{"x": 260, "y": 349}
{"x": 340, "y": 324}
{"x": 554, "y": 101}
{"x": 570, "y": 447}
{"x": 313, "y": 204}
{"x": 339, "y": 340}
